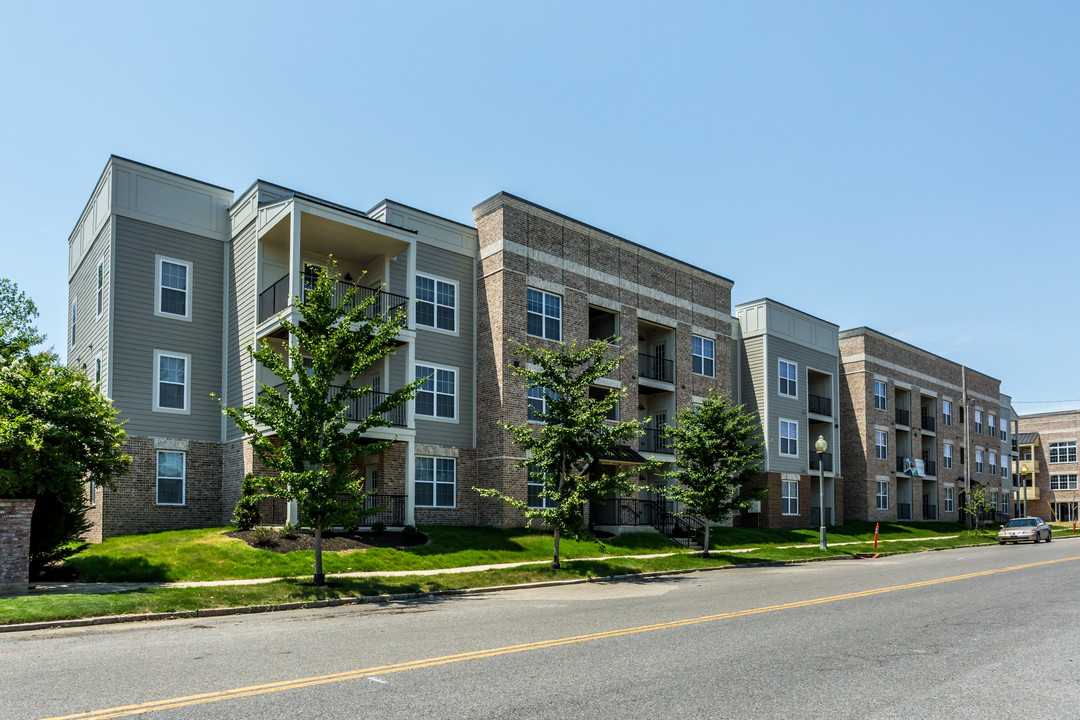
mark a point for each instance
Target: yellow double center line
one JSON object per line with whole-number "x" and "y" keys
{"x": 242, "y": 692}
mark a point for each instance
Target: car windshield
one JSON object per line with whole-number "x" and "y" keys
{"x": 1023, "y": 522}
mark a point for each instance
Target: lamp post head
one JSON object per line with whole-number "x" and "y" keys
{"x": 821, "y": 446}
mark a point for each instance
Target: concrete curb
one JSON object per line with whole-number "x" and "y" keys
{"x": 364, "y": 599}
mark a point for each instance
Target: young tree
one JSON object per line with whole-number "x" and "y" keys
{"x": 563, "y": 450}
{"x": 57, "y": 431}
{"x": 309, "y": 447}
{"x": 977, "y": 502}
{"x": 719, "y": 452}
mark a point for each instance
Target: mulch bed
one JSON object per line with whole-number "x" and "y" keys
{"x": 335, "y": 542}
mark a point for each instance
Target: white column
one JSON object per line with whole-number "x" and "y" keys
{"x": 410, "y": 375}
{"x": 292, "y": 513}
{"x": 410, "y": 478}
{"x": 410, "y": 285}
{"x": 295, "y": 271}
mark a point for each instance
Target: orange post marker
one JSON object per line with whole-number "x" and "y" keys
{"x": 876, "y": 525}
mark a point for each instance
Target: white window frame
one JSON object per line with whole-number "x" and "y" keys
{"x": 1061, "y": 452}
{"x": 978, "y": 421}
{"x": 435, "y": 461}
{"x": 543, "y": 315}
{"x": 74, "y": 319}
{"x": 100, "y": 286}
{"x": 991, "y": 425}
{"x": 881, "y": 401}
{"x": 993, "y": 463}
{"x": 881, "y": 449}
{"x": 789, "y": 502}
{"x": 545, "y": 503}
{"x": 435, "y": 304}
{"x": 541, "y": 393}
{"x": 882, "y": 495}
{"x": 790, "y": 440}
{"x": 979, "y": 467}
{"x": 99, "y": 375}
{"x": 1005, "y": 503}
{"x": 188, "y": 294}
{"x": 435, "y": 392}
{"x": 949, "y": 499}
{"x": 1063, "y": 482}
{"x": 780, "y": 379}
{"x": 702, "y": 356}
{"x": 946, "y": 412}
{"x": 91, "y": 493}
{"x": 158, "y": 478}
{"x": 947, "y": 456}
{"x": 158, "y": 354}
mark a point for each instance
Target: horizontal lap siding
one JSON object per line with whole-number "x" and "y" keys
{"x": 241, "y": 321}
{"x": 794, "y": 408}
{"x": 91, "y": 331}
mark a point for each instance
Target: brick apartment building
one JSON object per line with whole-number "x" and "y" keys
{"x": 1047, "y": 466}
{"x": 914, "y": 427}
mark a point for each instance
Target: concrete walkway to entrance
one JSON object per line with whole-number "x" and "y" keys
{"x": 61, "y": 588}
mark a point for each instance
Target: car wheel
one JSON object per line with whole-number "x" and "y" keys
{"x": 1001, "y": 542}
{"x": 1036, "y": 538}
{"x": 1049, "y": 535}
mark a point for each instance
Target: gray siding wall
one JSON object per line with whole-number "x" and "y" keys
{"x": 91, "y": 329}
{"x": 240, "y": 316}
{"x": 752, "y": 384}
{"x": 445, "y": 349}
{"x": 138, "y": 332}
{"x": 795, "y": 408}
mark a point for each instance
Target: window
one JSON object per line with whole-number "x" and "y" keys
{"x": 1063, "y": 482}
{"x": 311, "y": 275}
{"x": 173, "y": 288}
{"x": 100, "y": 286}
{"x": 74, "y": 312}
{"x": 436, "y": 303}
{"x": 993, "y": 463}
{"x": 978, "y": 461}
{"x": 949, "y": 499}
{"x": 789, "y": 438}
{"x": 1004, "y": 467}
{"x": 436, "y": 397}
{"x": 537, "y": 483}
{"x": 544, "y": 315}
{"x": 882, "y": 494}
{"x": 1004, "y": 434}
{"x": 539, "y": 403}
{"x": 171, "y": 467}
{"x": 1005, "y": 503}
{"x": 436, "y": 480}
{"x": 1061, "y": 452}
{"x": 172, "y": 391}
{"x": 991, "y": 425}
{"x": 879, "y": 396}
{"x": 881, "y": 445}
{"x": 704, "y": 358}
{"x": 789, "y": 386}
{"x": 947, "y": 456}
{"x": 91, "y": 493}
{"x": 946, "y": 412}
{"x": 978, "y": 421}
{"x": 789, "y": 501}
{"x": 599, "y": 393}
{"x": 97, "y": 372}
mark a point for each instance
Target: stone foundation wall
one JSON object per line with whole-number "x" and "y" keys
{"x": 15, "y": 518}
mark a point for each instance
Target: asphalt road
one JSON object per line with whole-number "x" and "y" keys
{"x": 979, "y": 633}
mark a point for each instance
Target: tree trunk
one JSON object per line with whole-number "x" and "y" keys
{"x": 319, "y": 577}
{"x": 555, "y": 555}
{"x": 705, "y": 552}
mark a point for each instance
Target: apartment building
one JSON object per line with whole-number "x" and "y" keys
{"x": 172, "y": 279}
{"x": 915, "y": 429}
{"x": 1047, "y": 469}
{"x": 788, "y": 373}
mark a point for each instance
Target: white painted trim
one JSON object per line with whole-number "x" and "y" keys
{"x": 183, "y": 478}
{"x": 99, "y": 292}
{"x": 435, "y": 483}
{"x": 713, "y": 358}
{"x": 456, "y": 332}
{"x": 158, "y": 354}
{"x": 457, "y": 392}
{"x": 780, "y": 437}
{"x": 798, "y": 379}
{"x": 189, "y": 294}
{"x": 562, "y": 312}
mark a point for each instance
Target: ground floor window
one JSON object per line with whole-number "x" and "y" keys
{"x": 949, "y": 499}
{"x": 436, "y": 481}
{"x": 1064, "y": 511}
{"x": 171, "y": 471}
{"x": 1005, "y": 503}
{"x": 789, "y": 502}
{"x": 882, "y": 495}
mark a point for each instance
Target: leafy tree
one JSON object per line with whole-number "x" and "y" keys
{"x": 563, "y": 450}
{"x": 57, "y": 431}
{"x": 309, "y": 447}
{"x": 719, "y": 452}
{"x": 978, "y": 501}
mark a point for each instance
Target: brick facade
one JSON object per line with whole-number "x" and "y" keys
{"x": 15, "y": 516}
{"x": 1054, "y": 427}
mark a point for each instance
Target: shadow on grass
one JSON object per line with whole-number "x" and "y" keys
{"x": 443, "y": 540}
{"x": 107, "y": 569}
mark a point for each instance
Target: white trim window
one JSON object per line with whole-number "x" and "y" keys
{"x": 704, "y": 356}
{"x": 1005, "y": 503}
{"x": 880, "y": 403}
{"x": 100, "y": 286}
{"x": 993, "y": 463}
{"x": 539, "y": 403}
{"x": 789, "y": 497}
{"x": 946, "y": 412}
{"x": 537, "y": 483}
{"x": 436, "y": 398}
{"x": 991, "y": 425}
{"x": 789, "y": 438}
{"x": 543, "y": 314}
{"x": 436, "y": 303}
{"x": 172, "y": 382}
{"x": 172, "y": 280}
{"x": 979, "y": 461}
{"x": 947, "y": 456}
{"x": 949, "y": 492}
{"x": 1063, "y": 482}
{"x": 789, "y": 374}
{"x": 171, "y": 475}
{"x": 91, "y": 493}
{"x": 97, "y": 372}
{"x": 1062, "y": 452}
{"x": 881, "y": 445}
{"x": 1004, "y": 466}
{"x": 882, "y": 494}
{"x": 435, "y": 481}
{"x": 978, "y": 421}
{"x": 74, "y": 316}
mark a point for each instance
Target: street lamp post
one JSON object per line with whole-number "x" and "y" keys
{"x": 821, "y": 446}
{"x": 1023, "y": 489}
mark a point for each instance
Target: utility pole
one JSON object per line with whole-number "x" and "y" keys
{"x": 967, "y": 445}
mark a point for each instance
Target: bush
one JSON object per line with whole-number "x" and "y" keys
{"x": 289, "y": 531}
{"x": 410, "y": 530}
{"x": 378, "y": 527}
{"x": 263, "y": 536}
{"x": 246, "y": 514}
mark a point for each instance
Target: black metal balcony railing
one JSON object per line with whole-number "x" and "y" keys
{"x": 276, "y": 298}
{"x": 903, "y": 417}
{"x": 654, "y": 441}
{"x": 931, "y": 467}
{"x": 929, "y": 423}
{"x": 929, "y": 512}
{"x": 819, "y": 405}
{"x": 815, "y": 516}
{"x": 826, "y": 460}
{"x": 899, "y": 464}
{"x": 655, "y": 367}
{"x": 360, "y": 407}
{"x": 903, "y": 511}
{"x": 390, "y": 509}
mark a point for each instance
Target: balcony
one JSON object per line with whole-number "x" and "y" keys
{"x": 655, "y": 442}
{"x": 655, "y": 367}
{"x": 361, "y": 407}
{"x": 931, "y": 467}
{"x": 818, "y": 405}
{"x": 929, "y": 512}
{"x": 826, "y": 460}
{"x": 815, "y": 516}
{"x": 903, "y": 417}
{"x": 903, "y": 511}
{"x": 929, "y": 423}
{"x": 899, "y": 464}
{"x": 275, "y": 298}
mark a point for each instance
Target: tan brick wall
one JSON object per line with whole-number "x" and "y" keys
{"x": 15, "y": 516}
{"x": 1052, "y": 427}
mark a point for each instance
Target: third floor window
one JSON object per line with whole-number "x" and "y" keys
{"x": 879, "y": 396}
{"x": 544, "y": 315}
{"x": 789, "y": 373}
{"x": 436, "y": 303}
{"x": 173, "y": 288}
{"x": 1062, "y": 452}
{"x": 704, "y": 356}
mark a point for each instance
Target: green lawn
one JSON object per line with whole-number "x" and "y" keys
{"x": 851, "y": 531}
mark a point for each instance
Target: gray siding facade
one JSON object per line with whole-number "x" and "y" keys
{"x": 92, "y": 328}
{"x": 788, "y": 408}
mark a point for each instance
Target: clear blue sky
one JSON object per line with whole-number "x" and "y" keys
{"x": 914, "y": 166}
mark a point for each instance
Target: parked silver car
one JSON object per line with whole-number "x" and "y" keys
{"x": 1023, "y": 529}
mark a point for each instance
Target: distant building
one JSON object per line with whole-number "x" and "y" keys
{"x": 1047, "y": 466}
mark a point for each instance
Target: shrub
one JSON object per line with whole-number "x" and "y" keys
{"x": 262, "y": 536}
{"x": 246, "y": 514}
{"x": 410, "y": 530}
{"x": 289, "y": 531}
{"x": 378, "y": 527}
